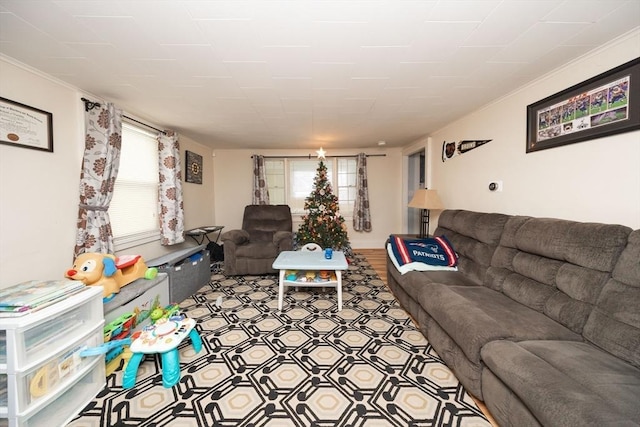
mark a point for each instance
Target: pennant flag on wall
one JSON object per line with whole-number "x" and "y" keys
{"x": 451, "y": 149}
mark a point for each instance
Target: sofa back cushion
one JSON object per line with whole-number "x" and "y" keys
{"x": 614, "y": 323}
{"x": 262, "y": 221}
{"x": 555, "y": 266}
{"x": 474, "y": 236}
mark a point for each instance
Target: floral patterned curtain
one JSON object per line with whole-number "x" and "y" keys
{"x": 103, "y": 140}
{"x": 170, "y": 190}
{"x": 260, "y": 189}
{"x": 361, "y": 212}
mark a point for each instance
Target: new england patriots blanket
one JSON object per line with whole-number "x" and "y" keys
{"x": 422, "y": 254}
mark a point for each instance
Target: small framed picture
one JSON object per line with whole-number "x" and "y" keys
{"x": 194, "y": 167}
{"x": 25, "y": 126}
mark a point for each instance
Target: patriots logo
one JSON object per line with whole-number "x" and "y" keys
{"x": 427, "y": 246}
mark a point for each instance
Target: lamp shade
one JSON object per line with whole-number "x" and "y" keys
{"x": 426, "y": 199}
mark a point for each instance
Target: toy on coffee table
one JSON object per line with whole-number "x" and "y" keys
{"x": 109, "y": 271}
{"x": 162, "y": 337}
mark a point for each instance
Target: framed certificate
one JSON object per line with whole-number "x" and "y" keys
{"x": 24, "y": 126}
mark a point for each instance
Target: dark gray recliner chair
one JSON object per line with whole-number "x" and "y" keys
{"x": 266, "y": 231}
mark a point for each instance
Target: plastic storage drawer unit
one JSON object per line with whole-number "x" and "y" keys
{"x": 69, "y": 401}
{"x": 40, "y": 363}
{"x": 40, "y": 382}
{"x": 32, "y": 337}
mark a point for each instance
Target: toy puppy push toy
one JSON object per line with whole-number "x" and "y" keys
{"x": 96, "y": 269}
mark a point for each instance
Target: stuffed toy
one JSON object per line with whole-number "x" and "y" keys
{"x": 96, "y": 269}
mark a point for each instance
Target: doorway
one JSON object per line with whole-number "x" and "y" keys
{"x": 416, "y": 180}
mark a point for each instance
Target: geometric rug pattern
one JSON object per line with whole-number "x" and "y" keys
{"x": 308, "y": 365}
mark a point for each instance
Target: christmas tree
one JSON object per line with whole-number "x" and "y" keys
{"x": 323, "y": 223}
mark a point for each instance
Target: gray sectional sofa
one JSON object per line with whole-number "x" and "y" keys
{"x": 542, "y": 319}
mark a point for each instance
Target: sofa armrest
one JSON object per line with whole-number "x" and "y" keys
{"x": 283, "y": 240}
{"x": 238, "y": 237}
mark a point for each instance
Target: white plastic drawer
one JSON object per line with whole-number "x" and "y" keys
{"x": 3, "y": 347}
{"x": 67, "y": 403}
{"x": 3, "y": 394}
{"x": 36, "y": 386}
{"x": 33, "y": 338}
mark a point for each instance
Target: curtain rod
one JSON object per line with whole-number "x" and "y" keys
{"x": 309, "y": 156}
{"x": 90, "y": 105}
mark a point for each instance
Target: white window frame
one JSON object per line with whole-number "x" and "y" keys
{"x": 140, "y": 135}
{"x": 346, "y": 176}
{"x": 335, "y": 165}
{"x": 276, "y": 180}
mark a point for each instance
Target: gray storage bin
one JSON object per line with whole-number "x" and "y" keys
{"x": 188, "y": 270}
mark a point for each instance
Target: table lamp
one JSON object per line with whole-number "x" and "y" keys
{"x": 425, "y": 199}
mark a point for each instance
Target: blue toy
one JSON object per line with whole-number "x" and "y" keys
{"x": 162, "y": 337}
{"x": 104, "y": 348}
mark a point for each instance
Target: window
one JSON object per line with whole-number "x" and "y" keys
{"x": 134, "y": 207}
{"x": 347, "y": 184}
{"x": 290, "y": 181}
{"x": 275, "y": 180}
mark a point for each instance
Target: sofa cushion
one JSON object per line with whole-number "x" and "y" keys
{"x": 614, "y": 323}
{"x": 474, "y": 315}
{"x": 591, "y": 245}
{"x": 554, "y": 266}
{"x": 505, "y": 407}
{"x": 475, "y": 236}
{"x": 483, "y": 227}
{"x": 257, "y": 250}
{"x": 407, "y": 302}
{"x": 415, "y": 283}
{"x": 551, "y": 376}
{"x": 468, "y": 373}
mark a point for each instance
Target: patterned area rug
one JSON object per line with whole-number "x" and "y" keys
{"x": 308, "y": 365}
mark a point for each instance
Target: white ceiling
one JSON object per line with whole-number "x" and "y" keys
{"x": 303, "y": 73}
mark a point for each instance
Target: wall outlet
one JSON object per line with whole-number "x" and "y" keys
{"x": 495, "y": 186}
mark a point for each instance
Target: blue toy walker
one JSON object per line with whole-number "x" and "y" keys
{"x": 162, "y": 337}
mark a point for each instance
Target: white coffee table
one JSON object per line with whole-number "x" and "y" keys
{"x": 310, "y": 261}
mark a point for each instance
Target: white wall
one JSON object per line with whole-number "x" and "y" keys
{"x": 39, "y": 190}
{"x": 233, "y": 184}
{"x": 596, "y": 180}
{"x": 198, "y": 198}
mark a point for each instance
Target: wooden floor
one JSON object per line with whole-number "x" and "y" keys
{"x": 378, "y": 260}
